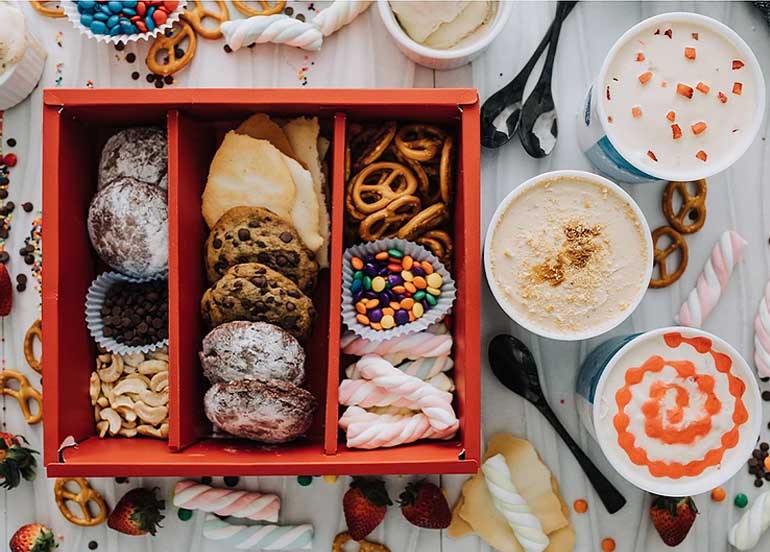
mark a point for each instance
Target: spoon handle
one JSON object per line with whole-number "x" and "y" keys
{"x": 609, "y": 495}
{"x": 562, "y": 10}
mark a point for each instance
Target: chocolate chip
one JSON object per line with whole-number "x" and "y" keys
{"x": 300, "y": 17}
{"x": 29, "y": 259}
{"x": 93, "y": 545}
{"x": 216, "y": 243}
{"x": 228, "y": 49}
{"x": 244, "y": 234}
{"x": 766, "y": 395}
{"x": 764, "y": 446}
{"x": 27, "y": 206}
{"x": 281, "y": 260}
{"x": 3, "y": 193}
{"x": 758, "y": 482}
{"x": 293, "y": 293}
{"x": 289, "y": 10}
{"x": 11, "y": 142}
{"x": 21, "y": 287}
{"x": 150, "y": 77}
{"x": 259, "y": 281}
{"x": 119, "y": 46}
{"x": 22, "y": 279}
{"x": 130, "y": 57}
{"x": 168, "y": 79}
{"x": 290, "y": 307}
{"x": 286, "y": 237}
{"x": 253, "y": 224}
{"x": 158, "y": 84}
{"x": 178, "y": 52}
{"x": 4, "y": 257}
{"x": 3, "y": 233}
{"x": 135, "y": 75}
{"x": 10, "y": 206}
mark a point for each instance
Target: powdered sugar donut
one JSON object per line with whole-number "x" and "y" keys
{"x": 128, "y": 226}
{"x": 140, "y": 152}
{"x": 252, "y": 350}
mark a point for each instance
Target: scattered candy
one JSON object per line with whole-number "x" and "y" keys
{"x": 184, "y": 514}
{"x": 718, "y": 494}
{"x": 330, "y": 479}
{"x": 608, "y": 545}
{"x": 689, "y": 53}
{"x": 126, "y": 17}
{"x": 304, "y": 480}
{"x": 392, "y": 289}
{"x": 741, "y": 500}
{"x": 580, "y": 506}
{"x": 231, "y": 481}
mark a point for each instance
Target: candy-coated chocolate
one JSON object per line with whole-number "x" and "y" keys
{"x": 171, "y": 5}
{"x": 410, "y": 287}
{"x": 402, "y": 317}
{"x": 378, "y": 283}
{"x": 375, "y": 315}
{"x": 112, "y": 21}
{"x": 356, "y": 286}
{"x": 362, "y": 319}
{"x": 419, "y": 296}
{"x": 395, "y": 253}
{"x": 98, "y": 27}
{"x": 741, "y": 500}
{"x": 360, "y": 308}
{"x": 407, "y": 262}
{"x": 427, "y": 267}
{"x": 86, "y": 19}
{"x": 367, "y": 283}
{"x": 418, "y": 310}
{"x": 357, "y": 263}
{"x": 407, "y": 303}
{"x": 417, "y": 270}
{"x": 387, "y": 321}
{"x": 115, "y": 7}
{"x": 376, "y": 325}
{"x": 372, "y": 303}
{"x": 141, "y": 26}
{"x": 370, "y": 270}
{"x": 395, "y": 305}
{"x": 141, "y": 8}
{"x": 357, "y": 275}
{"x": 382, "y": 256}
{"x": 718, "y": 494}
{"x": 434, "y": 280}
{"x": 101, "y": 16}
{"x": 407, "y": 276}
{"x": 387, "y": 311}
{"x": 393, "y": 267}
{"x": 431, "y": 300}
{"x": 159, "y": 17}
{"x": 433, "y": 291}
{"x": 412, "y": 317}
{"x": 420, "y": 283}
{"x": 399, "y": 289}
{"x": 395, "y": 279}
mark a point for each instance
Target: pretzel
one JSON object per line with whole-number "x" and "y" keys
{"x": 387, "y": 222}
{"x": 363, "y": 545}
{"x": 691, "y": 204}
{"x": 378, "y": 184}
{"x": 439, "y": 243}
{"x": 374, "y": 143}
{"x": 660, "y": 256}
{"x": 419, "y": 142}
{"x": 83, "y": 497}
{"x": 200, "y": 13}
{"x": 23, "y": 395}
{"x": 35, "y": 331}
{"x": 427, "y": 196}
{"x": 427, "y": 219}
{"x": 445, "y": 171}
{"x": 181, "y": 31}
{"x": 42, "y": 9}
{"x": 268, "y": 8}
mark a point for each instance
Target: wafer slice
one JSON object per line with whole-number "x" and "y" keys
{"x": 261, "y": 127}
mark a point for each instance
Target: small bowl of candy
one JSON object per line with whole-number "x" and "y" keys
{"x": 123, "y": 20}
{"x": 393, "y": 287}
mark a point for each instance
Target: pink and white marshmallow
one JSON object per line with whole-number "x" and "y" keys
{"x": 367, "y": 430}
{"x": 227, "y": 502}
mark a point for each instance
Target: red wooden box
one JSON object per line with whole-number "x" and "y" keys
{"x": 75, "y": 125}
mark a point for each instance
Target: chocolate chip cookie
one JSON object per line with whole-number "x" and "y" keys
{"x": 254, "y": 292}
{"x": 257, "y": 235}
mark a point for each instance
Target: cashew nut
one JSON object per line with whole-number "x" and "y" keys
{"x": 108, "y": 390}
{"x": 97, "y": 414}
{"x": 94, "y": 388}
{"x": 102, "y": 427}
{"x": 151, "y": 414}
{"x": 103, "y": 402}
{"x": 129, "y": 425}
{"x": 160, "y": 354}
{"x": 153, "y": 366}
{"x": 113, "y": 418}
{"x": 153, "y": 399}
{"x": 159, "y": 382}
{"x": 133, "y": 360}
{"x": 130, "y": 385}
{"x": 150, "y": 431}
{"x": 127, "y": 414}
{"x": 128, "y": 432}
{"x": 140, "y": 377}
{"x": 112, "y": 372}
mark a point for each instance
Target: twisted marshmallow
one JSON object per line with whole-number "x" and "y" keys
{"x": 745, "y": 534}
{"x": 423, "y": 368}
{"x": 367, "y": 430}
{"x": 398, "y": 349}
{"x": 227, "y": 502}
{"x": 507, "y": 501}
{"x": 339, "y": 14}
{"x": 278, "y": 28}
{"x": 762, "y": 336}
{"x": 385, "y": 385}
{"x": 713, "y": 280}
{"x": 258, "y": 537}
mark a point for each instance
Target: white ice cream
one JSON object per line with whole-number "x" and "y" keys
{"x": 443, "y": 24}
{"x": 13, "y": 41}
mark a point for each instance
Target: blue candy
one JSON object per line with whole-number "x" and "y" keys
{"x": 356, "y": 286}
{"x": 129, "y": 4}
{"x": 128, "y": 28}
{"x": 82, "y": 8}
{"x": 101, "y": 16}
{"x": 113, "y": 21}
{"x": 86, "y": 4}
{"x": 115, "y": 7}
{"x": 129, "y": 12}
{"x": 105, "y": 8}
{"x": 97, "y": 27}
{"x": 86, "y": 19}
{"x": 149, "y": 21}
{"x": 115, "y": 31}
{"x": 151, "y": 10}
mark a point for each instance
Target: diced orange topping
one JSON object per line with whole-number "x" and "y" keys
{"x": 663, "y": 84}
{"x": 610, "y": 119}
{"x": 722, "y": 97}
{"x": 689, "y": 52}
{"x": 669, "y": 33}
{"x": 671, "y": 116}
{"x": 737, "y": 88}
{"x": 702, "y": 155}
{"x": 636, "y": 111}
{"x": 703, "y": 88}
{"x": 738, "y": 64}
{"x": 684, "y": 90}
{"x": 677, "y": 131}
{"x": 651, "y": 155}
{"x": 699, "y": 127}
{"x": 645, "y": 77}
{"x": 640, "y": 57}
{"x": 695, "y": 36}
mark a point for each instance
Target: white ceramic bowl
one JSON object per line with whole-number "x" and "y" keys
{"x": 497, "y": 292}
{"x": 452, "y": 57}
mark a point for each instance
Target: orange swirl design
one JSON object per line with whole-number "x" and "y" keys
{"x": 665, "y": 424}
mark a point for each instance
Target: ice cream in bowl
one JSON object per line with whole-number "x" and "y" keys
{"x": 444, "y": 34}
{"x": 568, "y": 255}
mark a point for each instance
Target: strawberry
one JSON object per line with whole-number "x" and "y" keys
{"x": 364, "y": 505}
{"x": 424, "y": 505}
{"x": 6, "y": 291}
{"x": 137, "y": 513}
{"x": 673, "y": 517}
{"x": 16, "y": 460}
{"x": 34, "y": 537}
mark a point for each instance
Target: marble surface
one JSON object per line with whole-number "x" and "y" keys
{"x": 362, "y": 55}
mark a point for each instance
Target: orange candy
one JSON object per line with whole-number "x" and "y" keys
{"x": 684, "y": 90}
{"x": 702, "y": 155}
{"x": 718, "y": 494}
{"x": 360, "y": 308}
{"x": 408, "y": 303}
{"x": 395, "y": 305}
{"x": 372, "y": 303}
{"x": 737, "y": 88}
{"x": 395, "y": 268}
{"x": 636, "y": 111}
{"x": 399, "y": 289}
{"x": 608, "y": 545}
{"x": 419, "y": 282}
{"x": 767, "y": 463}
{"x": 426, "y": 267}
{"x": 703, "y": 88}
{"x": 357, "y": 263}
{"x": 382, "y": 255}
{"x": 580, "y": 506}
{"x": 689, "y": 52}
{"x": 407, "y": 262}
{"x": 410, "y": 287}
{"x": 698, "y": 127}
{"x": 388, "y": 311}
{"x": 363, "y": 319}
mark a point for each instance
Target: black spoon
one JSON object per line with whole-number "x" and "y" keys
{"x": 507, "y": 101}
{"x": 515, "y": 367}
{"x": 537, "y": 129}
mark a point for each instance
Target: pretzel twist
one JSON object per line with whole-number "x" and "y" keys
{"x": 660, "y": 256}
{"x": 691, "y": 204}
{"x": 268, "y": 8}
{"x": 34, "y": 332}
{"x": 386, "y": 222}
{"x": 197, "y": 15}
{"x": 42, "y": 8}
{"x": 181, "y": 31}
{"x": 23, "y": 395}
{"x": 84, "y": 496}
{"x": 419, "y": 141}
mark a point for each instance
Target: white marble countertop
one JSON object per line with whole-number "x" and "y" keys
{"x": 362, "y": 55}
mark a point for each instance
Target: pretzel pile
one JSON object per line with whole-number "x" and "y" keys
{"x": 400, "y": 183}
{"x": 129, "y": 394}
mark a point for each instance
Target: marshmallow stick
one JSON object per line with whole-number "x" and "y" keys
{"x": 366, "y": 430}
{"x": 762, "y": 336}
{"x": 745, "y": 534}
{"x": 227, "y": 502}
{"x": 339, "y": 14}
{"x": 398, "y": 349}
{"x": 278, "y": 28}
{"x": 525, "y": 525}
{"x": 258, "y": 537}
{"x": 423, "y": 368}
{"x": 713, "y": 280}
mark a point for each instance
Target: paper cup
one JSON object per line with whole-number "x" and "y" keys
{"x": 94, "y": 301}
{"x": 599, "y": 379}
{"x": 417, "y": 252}
{"x": 71, "y": 11}
{"x": 19, "y": 81}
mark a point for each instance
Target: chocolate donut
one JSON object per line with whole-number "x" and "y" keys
{"x": 128, "y": 225}
{"x": 271, "y": 411}
{"x": 139, "y": 152}
{"x": 252, "y": 350}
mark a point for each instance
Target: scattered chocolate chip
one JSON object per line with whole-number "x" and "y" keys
{"x": 150, "y": 77}
{"x": 758, "y": 482}
{"x": 27, "y": 206}
{"x": 135, "y": 75}
{"x": 29, "y": 259}
{"x": 21, "y": 278}
{"x": 11, "y": 142}
{"x": 228, "y": 49}
{"x": 289, "y": 10}
{"x": 286, "y": 237}
{"x": 168, "y": 79}
{"x": 206, "y": 480}
{"x": 764, "y": 447}
{"x": 130, "y": 57}
{"x": 21, "y": 287}
{"x": 764, "y": 380}
{"x": 300, "y": 17}
{"x": 119, "y": 46}
{"x": 10, "y": 206}
{"x": 93, "y": 545}
{"x": 231, "y": 481}
{"x": 766, "y": 395}
{"x": 244, "y": 234}
{"x": 4, "y": 257}
{"x": 136, "y": 313}
{"x": 216, "y": 243}
{"x": 159, "y": 84}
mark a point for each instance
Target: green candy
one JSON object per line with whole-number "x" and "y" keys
{"x": 304, "y": 480}
{"x": 419, "y": 295}
{"x": 741, "y": 500}
{"x": 184, "y": 514}
{"x": 367, "y": 283}
{"x": 431, "y": 300}
{"x": 395, "y": 253}
{"x": 357, "y": 275}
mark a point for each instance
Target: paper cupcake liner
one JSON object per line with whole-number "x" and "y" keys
{"x": 94, "y": 301}
{"x": 23, "y": 77}
{"x": 417, "y": 252}
{"x": 71, "y": 11}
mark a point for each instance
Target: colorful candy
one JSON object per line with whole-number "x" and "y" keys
{"x": 124, "y": 17}
{"x": 392, "y": 289}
